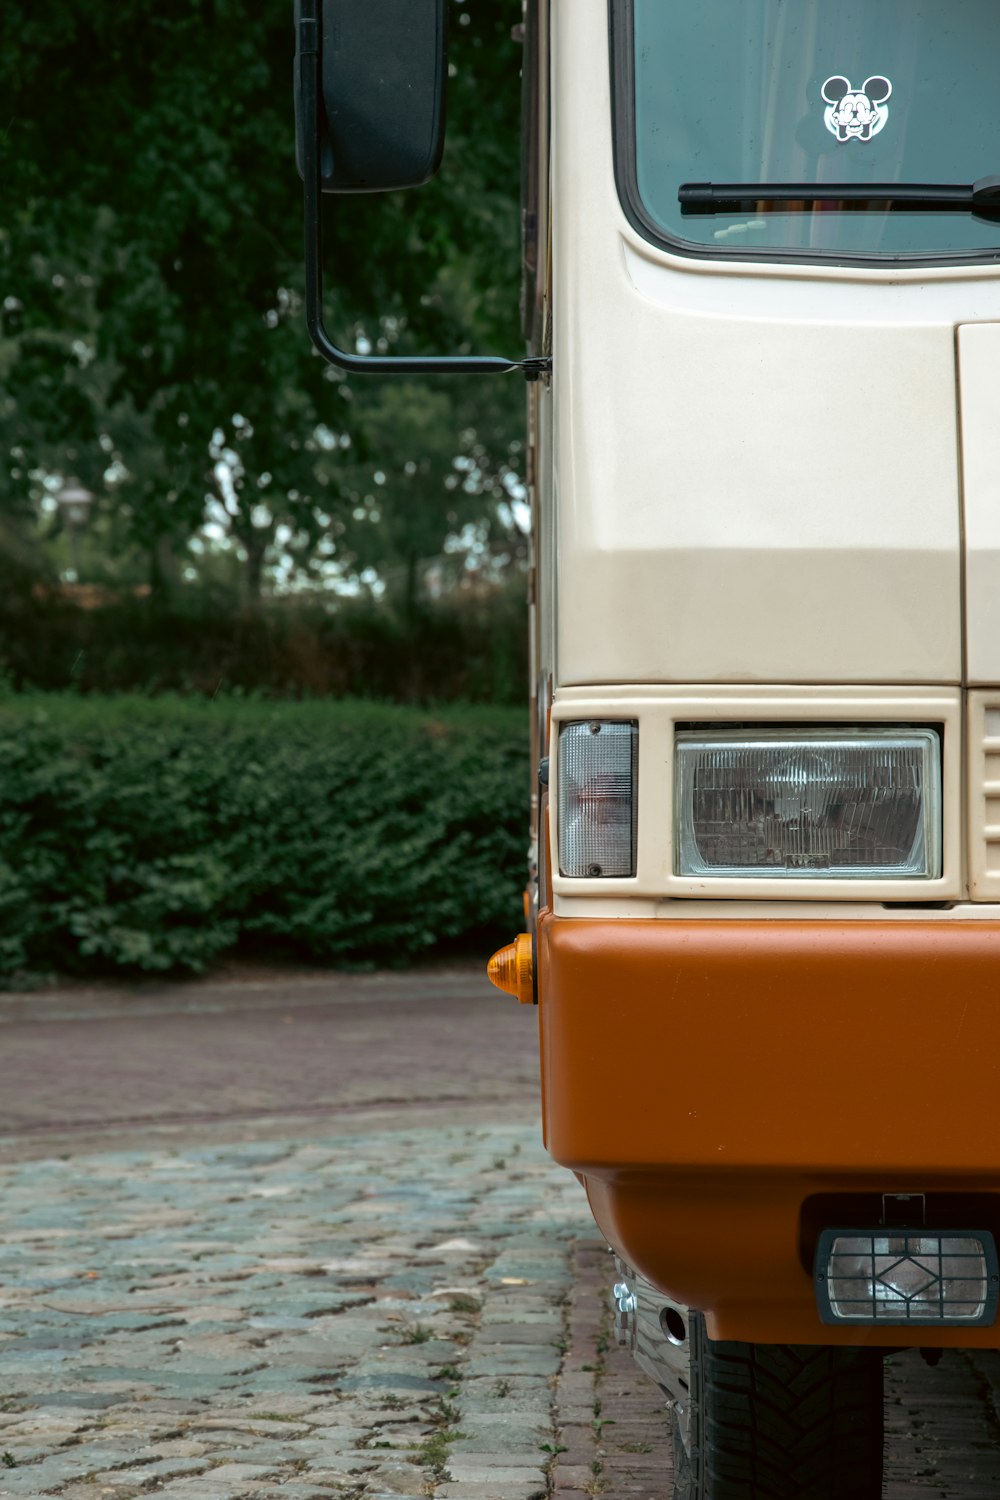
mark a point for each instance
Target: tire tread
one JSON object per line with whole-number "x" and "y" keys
{"x": 782, "y": 1422}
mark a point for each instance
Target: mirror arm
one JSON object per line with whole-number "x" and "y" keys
{"x": 370, "y": 364}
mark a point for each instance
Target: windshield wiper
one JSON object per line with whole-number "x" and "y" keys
{"x": 980, "y": 197}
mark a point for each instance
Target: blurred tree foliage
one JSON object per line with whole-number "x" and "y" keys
{"x": 469, "y": 646}
{"x": 152, "y": 338}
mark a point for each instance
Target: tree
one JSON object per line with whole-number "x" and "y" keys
{"x": 150, "y": 244}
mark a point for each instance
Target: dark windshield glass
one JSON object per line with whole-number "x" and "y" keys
{"x": 817, "y": 91}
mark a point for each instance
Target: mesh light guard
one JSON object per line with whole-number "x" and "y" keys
{"x": 804, "y": 803}
{"x": 597, "y": 802}
{"x": 942, "y": 1277}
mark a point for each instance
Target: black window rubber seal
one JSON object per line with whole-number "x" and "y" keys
{"x": 621, "y": 22}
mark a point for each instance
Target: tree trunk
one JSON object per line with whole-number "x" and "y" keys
{"x": 412, "y": 585}
{"x": 162, "y": 570}
{"x": 256, "y": 550}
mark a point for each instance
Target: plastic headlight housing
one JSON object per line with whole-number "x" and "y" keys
{"x": 597, "y": 776}
{"x": 808, "y": 804}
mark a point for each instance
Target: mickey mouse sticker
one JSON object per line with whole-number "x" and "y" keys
{"x": 856, "y": 114}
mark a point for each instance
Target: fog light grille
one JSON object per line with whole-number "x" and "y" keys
{"x": 907, "y": 1276}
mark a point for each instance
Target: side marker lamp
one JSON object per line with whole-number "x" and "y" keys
{"x": 512, "y": 969}
{"x": 597, "y": 804}
{"x": 947, "y": 1278}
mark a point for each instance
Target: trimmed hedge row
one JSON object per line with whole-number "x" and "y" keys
{"x": 158, "y": 834}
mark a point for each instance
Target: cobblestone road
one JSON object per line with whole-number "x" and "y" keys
{"x": 236, "y": 1265}
{"x": 379, "y": 1315}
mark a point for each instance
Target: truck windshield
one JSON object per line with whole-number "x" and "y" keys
{"x": 813, "y": 92}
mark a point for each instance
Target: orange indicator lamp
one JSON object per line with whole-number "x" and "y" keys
{"x": 512, "y": 969}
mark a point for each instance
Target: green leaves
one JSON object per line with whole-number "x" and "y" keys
{"x": 151, "y": 217}
{"x": 155, "y": 835}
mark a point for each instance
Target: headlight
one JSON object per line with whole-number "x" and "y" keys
{"x": 597, "y": 774}
{"x": 800, "y": 804}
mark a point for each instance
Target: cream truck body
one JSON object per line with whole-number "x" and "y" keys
{"x": 766, "y": 512}
{"x": 762, "y": 299}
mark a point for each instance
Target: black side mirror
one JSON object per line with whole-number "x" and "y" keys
{"x": 369, "y": 116}
{"x": 383, "y": 73}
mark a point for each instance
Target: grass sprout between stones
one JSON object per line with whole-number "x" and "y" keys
{"x": 416, "y": 1333}
{"x": 463, "y": 1303}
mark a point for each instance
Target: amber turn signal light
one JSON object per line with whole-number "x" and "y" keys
{"x": 512, "y": 969}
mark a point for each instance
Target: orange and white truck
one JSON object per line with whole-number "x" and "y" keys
{"x": 762, "y": 274}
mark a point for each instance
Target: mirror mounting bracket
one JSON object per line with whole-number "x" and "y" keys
{"x": 371, "y": 364}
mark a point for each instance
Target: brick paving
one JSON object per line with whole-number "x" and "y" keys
{"x": 943, "y": 1427}
{"x": 611, "y": 1420}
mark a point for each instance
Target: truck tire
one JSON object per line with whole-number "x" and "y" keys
{"x": 779, "y": 1422}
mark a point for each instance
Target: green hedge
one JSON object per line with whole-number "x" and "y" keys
{"x": 159, "y": 834}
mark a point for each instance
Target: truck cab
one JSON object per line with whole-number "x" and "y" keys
{"x": 762, "y": 307}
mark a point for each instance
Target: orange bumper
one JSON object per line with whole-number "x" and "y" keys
{"x": 720, "y": 1084}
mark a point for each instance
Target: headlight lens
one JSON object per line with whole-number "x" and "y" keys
{"x": 907, "y": 1276}
{"x": 808, "y": 804}
{"x": 597, "y": 775}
